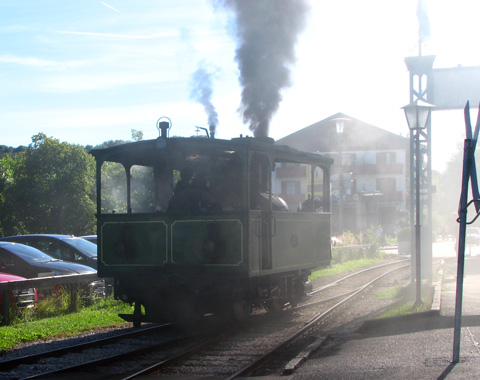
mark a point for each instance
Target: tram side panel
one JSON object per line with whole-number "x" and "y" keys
{"x": 300, "y": 241}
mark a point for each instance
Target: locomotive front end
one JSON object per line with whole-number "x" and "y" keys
{"x": 190, "y": 226}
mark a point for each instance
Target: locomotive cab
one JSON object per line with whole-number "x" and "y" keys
{"x": 189, "y": 226}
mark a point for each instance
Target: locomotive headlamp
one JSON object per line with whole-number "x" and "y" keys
{"x": 417, "y": 114}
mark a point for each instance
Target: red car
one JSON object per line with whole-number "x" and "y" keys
{"x": 19, "y": 298}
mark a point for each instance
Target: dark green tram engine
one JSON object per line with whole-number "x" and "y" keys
{"x": 189, "y": 226}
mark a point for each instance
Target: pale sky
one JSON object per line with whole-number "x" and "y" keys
{"x": 90, "y": 71}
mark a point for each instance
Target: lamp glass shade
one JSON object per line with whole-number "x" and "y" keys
{"x": 417, "y": 114}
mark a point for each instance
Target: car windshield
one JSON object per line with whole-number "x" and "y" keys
{"x": 29, "y": 254}
{"x": 84, "y": 246}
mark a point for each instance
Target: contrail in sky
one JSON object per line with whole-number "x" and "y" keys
{"x": 109, "y": 6}
{"x": 112, "y": 35}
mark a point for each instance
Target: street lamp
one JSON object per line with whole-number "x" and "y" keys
{"x": 418, "y": 115}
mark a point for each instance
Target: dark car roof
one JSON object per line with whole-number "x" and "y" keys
{"x": 25, "y": 252}
{"x": 91, "y": 252}
{"x": 37, "y": 258}
{"x": 57, "y": 236}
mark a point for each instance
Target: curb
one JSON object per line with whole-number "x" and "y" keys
{"x": 302, "y": 356}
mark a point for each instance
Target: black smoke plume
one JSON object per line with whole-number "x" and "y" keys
{"x": 201, "y": 92}
{"x": 267, "y": 31}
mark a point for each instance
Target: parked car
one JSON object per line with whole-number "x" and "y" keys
{"x": 19, "y": 298}
{"x": 23, "y": 260}
{"x": 92, "y": 238}
{"x": 63, "y": 247}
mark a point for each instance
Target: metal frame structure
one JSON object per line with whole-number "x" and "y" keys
{"x": 420, "y": 69}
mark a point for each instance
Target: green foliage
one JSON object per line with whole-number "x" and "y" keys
{"x": 114, "y": 188}
{"x": 390, "y": 293}
{"x": 403, "y": 234}
{"x": 48, "y": 188}
{"x": 344, "y": 267}
{"x": 102, "y": 313}
{"x": 447, "y": 196}
{"x": 56, "y": 303}
{"x": 137, "y": 135}
{"x": 349, "y": 239}
{"x": 406, "y": 308}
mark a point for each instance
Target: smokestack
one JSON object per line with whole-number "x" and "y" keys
{"x": 163, "y": 126}
{"x": 267, "y": 32}
{"x": 201, "y": 92}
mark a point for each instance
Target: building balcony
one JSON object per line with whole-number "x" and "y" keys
{"x": 362, "y": 169}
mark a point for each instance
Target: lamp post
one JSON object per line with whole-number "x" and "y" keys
{"x": 418, "y": 115}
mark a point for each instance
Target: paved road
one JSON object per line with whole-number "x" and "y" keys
{"x": 412, "y": 347}
{"x": 449, "y": 249}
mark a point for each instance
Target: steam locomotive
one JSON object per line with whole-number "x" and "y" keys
{"x": 192, "y": 226}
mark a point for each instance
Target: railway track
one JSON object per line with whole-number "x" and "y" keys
{"x": 226, "y": 354}
{"x": 256, "y": 344}
{"x": 75, "y": 357}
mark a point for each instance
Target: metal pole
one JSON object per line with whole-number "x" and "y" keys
{"x": 418, "y": 231}
{"x": 413, "y": 251}
{"x": 461, "y": 249}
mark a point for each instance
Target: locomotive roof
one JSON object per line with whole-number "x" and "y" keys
{"x": 144, "y": 152}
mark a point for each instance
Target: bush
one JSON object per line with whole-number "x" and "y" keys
{"x": 403, "y": 234}
{"x": 59, "y": 301}
{"x": 54, "y": 304}
{"x": 348, "y": 239}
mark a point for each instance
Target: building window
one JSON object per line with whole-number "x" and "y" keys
{"x": 386, "y": 185}
{"x": 386, "y": 158}
{"x": 290, "y": 187}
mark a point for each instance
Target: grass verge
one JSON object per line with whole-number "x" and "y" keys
{"x": 104, "y": 313}
{"x": 406, "y": 301}
{"x": 344, "y": 267}
{"x": 406, "y": 308}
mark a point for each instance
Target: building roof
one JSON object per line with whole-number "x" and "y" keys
{"x": 357, "y": 136}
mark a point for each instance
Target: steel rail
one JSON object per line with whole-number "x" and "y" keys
{"x": 29, "y": 359}
{"x": 181, "y": 355}
{"x": 269, "y": 355}
{"x": 334, "y": 283}
{"x": 205, "y": 344}
{"x": 116, "y": 357}
{"x": 252, "y": 366}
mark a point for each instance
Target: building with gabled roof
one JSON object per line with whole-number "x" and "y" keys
{"x": 368, "y": 177}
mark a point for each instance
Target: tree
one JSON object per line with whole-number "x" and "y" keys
{"x": 137, "y": 135}
{"x": 447, "y": 198}
{"x": 9, "y": 222}
{"x": 53, "y": 188}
